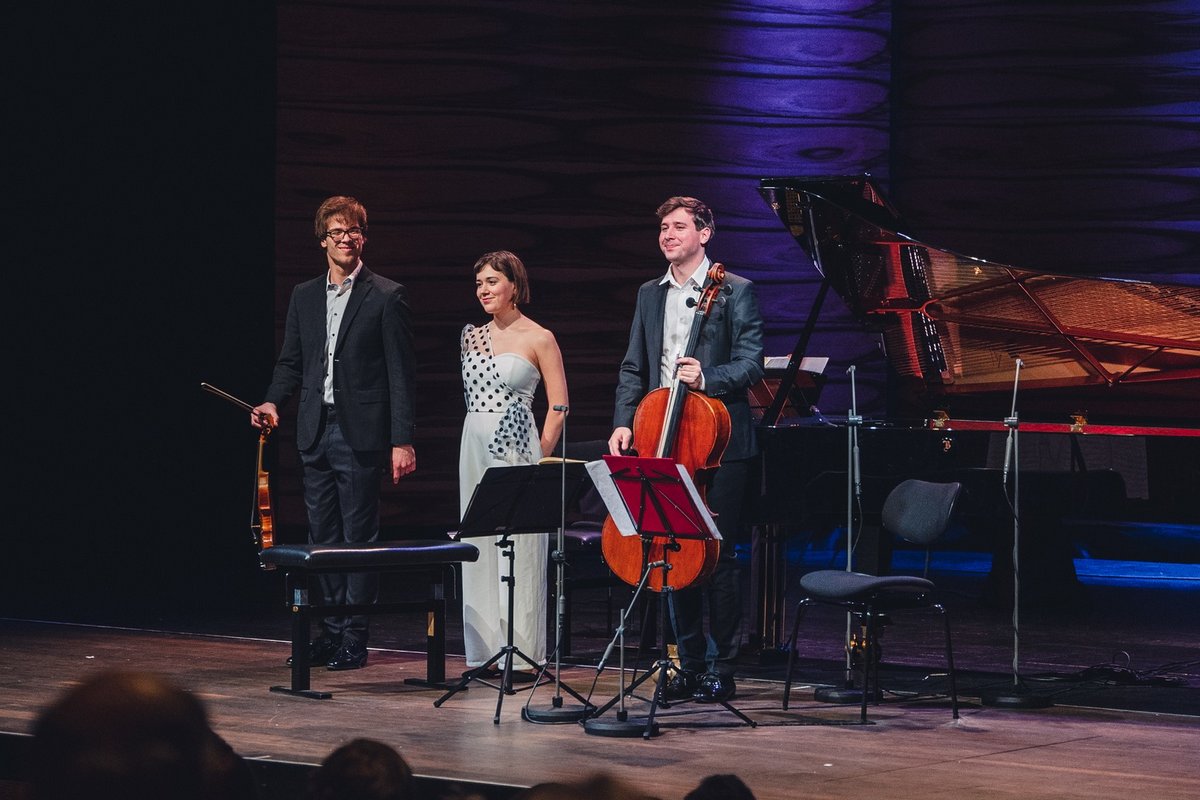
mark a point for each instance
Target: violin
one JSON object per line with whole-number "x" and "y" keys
{"x": 262, "y": 525}
{"x": 692, "y": 429}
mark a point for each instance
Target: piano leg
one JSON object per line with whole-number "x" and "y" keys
{"x": 768, "y": 569}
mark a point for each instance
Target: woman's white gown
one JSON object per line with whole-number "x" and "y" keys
{"x": 499, "y": 430}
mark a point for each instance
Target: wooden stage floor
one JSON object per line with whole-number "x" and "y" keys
{"x": 914, "y": 750}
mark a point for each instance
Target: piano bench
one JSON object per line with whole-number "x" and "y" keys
{"x": 433, "y": 558}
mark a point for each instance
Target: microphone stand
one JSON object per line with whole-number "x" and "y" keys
{"x": 557, "y": 713}
{"x": 847, "y": 693}
{"x": 622, "y": 726}
{"x": 1018, "y": 696}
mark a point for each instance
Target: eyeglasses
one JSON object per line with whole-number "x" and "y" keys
{"x": 337, "y": 234}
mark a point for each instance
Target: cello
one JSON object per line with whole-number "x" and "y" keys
{"x": 692, "y": 429}
{"x": 262, "y": 525}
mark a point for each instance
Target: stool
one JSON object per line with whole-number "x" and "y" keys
{"x": 435, "y": 558}
{"x": 582, "y": 539}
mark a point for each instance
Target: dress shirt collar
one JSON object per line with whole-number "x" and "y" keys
{"x": 697, "y": 277}
{"x": 347, "y": 284}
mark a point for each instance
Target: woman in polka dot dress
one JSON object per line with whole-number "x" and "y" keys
{"x": 502, "y": 364}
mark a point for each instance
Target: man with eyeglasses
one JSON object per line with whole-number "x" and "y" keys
{"x": 348, "y": 348}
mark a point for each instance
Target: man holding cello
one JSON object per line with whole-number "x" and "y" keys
{"x": 721, "y": 363}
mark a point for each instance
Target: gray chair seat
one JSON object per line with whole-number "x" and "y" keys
{"x": 837, "y": 584}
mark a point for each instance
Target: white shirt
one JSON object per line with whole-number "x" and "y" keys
{"x": 336, "y": 298}
{"x": 678, "y": 318}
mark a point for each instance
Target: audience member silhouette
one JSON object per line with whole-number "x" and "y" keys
{"x": 132, "y": 734}
{"x": 596, "y": 787}
{"x": 721, "y": 787}
{"x": 363, "y": 769}
{"x": 135, "y": 735}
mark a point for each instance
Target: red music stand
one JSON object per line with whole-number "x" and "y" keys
{"x": 652, "y": 498}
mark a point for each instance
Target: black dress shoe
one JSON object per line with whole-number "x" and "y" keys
{"x": 714, "y": 688}
{"x": 681, "y": 687}
{"x": 320, "y": 650}
{"x": 351, "y": 655}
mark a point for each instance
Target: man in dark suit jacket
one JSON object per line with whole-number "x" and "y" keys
{"x": 348, "y": 348}
{"x": 727, "y": 361}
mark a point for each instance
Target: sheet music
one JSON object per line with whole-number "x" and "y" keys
{"x": 813, "y": 364}
{"x": 709, "y": 523}
{"x": 601, "y": 475}
{"x": 602, "y": 480}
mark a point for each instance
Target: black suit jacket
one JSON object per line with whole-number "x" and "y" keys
{"x": 373, "y": 368}
{"x": 730, "y": 350}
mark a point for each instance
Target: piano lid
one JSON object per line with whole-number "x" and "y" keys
{"x": 956, "y": 324}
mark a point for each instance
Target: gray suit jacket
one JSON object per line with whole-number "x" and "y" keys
{"x": 373, "y": 369}
{"x": 730, "y": 350}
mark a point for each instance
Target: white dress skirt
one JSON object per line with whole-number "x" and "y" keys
{"x": 495, "y": 434}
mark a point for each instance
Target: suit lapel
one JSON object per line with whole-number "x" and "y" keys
{"x": 364, "y": 284}
{"x": 314, "y": 308}
{"x": 654, "y": 331}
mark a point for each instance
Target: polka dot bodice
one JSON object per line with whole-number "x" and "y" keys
{"x": 502, "y": 385}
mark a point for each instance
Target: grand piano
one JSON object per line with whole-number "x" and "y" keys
{"x": 1108, "y": 420}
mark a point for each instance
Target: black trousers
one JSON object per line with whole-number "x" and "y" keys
{"x": 341, "y": 494}
{"x": 716, "y": 650}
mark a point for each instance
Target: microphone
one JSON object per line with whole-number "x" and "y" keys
{"x": 607, "y": 652}
{"x": 1011, "y": 422}
{"x": 1007, "y": 460}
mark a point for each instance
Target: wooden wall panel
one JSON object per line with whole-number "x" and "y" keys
{"x": 1053, "y": 136}
{"x": 1057, "y": 136}
{"x": 554, "y": 130}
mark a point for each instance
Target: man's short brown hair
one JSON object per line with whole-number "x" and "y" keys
{"x": 702, "y": 215}
{"x": 348, "y": 208}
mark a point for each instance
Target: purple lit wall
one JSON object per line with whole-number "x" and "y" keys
{"x": 555, "y": 129}
{"x": 174, "y": 163}
{"x": 1059, "y": 138}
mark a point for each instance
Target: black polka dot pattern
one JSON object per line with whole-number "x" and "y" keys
{"x": 484, "y": 391}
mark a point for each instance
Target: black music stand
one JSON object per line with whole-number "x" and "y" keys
{"x": 525, "y": 498}
{"x": 654, "y": 498}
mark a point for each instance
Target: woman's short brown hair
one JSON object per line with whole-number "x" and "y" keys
{"x": 510, "y": 266}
